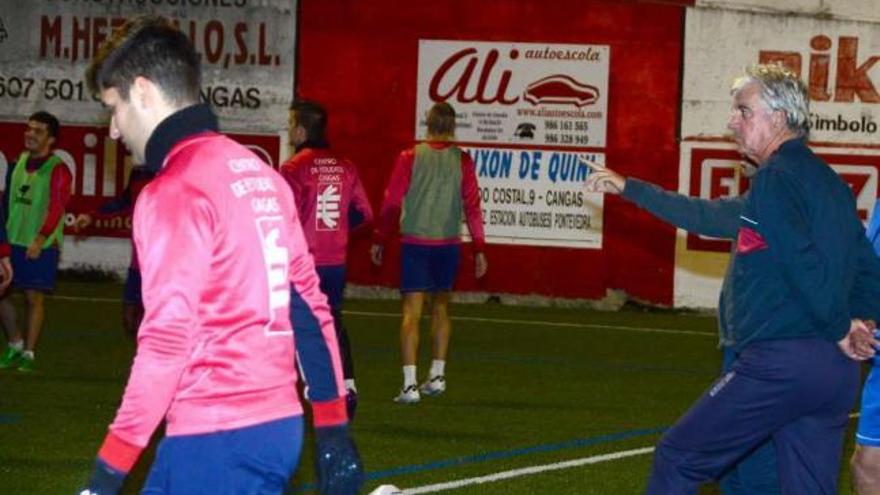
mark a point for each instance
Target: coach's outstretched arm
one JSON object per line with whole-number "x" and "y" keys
{"x": 712, "y": 217}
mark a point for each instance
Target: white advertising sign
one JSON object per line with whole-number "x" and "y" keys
{"x": 246, "y": 49}
{"x": 838, "y": 60}
{"x": 536, "y": 197}
{"x": 517, "y": 93}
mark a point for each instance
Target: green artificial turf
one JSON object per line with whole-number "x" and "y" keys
{"x": 526, "y": 387}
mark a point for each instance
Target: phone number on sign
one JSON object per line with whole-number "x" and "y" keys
{"x": 48, "y": 89}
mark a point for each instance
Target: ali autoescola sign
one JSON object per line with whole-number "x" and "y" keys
{"x": 526, "y": 113}
{"x": 517, "y": 93}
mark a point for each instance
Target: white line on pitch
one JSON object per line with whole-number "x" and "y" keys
{"x": 515, "y": 473}
{"x": 500, "y": 321}
{"x": 551, "y": 324}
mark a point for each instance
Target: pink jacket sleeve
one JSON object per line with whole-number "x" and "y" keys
{"x": 470, "y": 195}
{"x": 389, "y": 214}
{"x": 174, "y": 252}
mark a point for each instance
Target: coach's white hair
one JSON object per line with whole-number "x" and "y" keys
{"x": 781, "y": 89}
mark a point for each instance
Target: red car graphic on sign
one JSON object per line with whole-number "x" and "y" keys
{"x": 562, "y": 90}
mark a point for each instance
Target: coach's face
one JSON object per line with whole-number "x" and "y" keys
{"x": 755, "y": 126}
{"x": 126, "y": 122}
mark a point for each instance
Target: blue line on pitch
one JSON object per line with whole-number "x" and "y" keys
{"x": 9, "y": 419}
{"x": 501, "y": 454}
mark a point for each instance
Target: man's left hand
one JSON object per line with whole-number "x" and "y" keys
{"x": 482, "y": 266}
{"x": 859, "y": 344}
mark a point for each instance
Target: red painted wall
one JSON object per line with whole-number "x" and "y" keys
{"x": 360, "y": 59}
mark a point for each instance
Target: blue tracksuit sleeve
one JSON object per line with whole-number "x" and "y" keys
{"x": 865, "y": 294}
{"x": 711, "y": 217}
{"x": 312, "y": 350}
{"x": 873, "y": 232}
{"x": 864, "y": 297}
{"x": 780, "y": 205}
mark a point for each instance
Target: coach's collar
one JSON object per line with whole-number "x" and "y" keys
{"x": 182, "y": 124}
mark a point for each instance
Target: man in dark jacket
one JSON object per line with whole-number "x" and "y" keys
{"x": 756, "y": 473}
{"x": 801, "y": 280}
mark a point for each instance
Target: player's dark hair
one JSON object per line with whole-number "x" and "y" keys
{"x": 47, "y": 118}
{"x": 312, "y": 117}
{"x": 441, "y": 120}
{"x": 153, "y": 48}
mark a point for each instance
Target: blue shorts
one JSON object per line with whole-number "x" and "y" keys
{"x": 254, "y": 459}
{"x": 428, "y": 268}
{"x": 131, "y": 293}
{"x": 38, "y": 274}
{"x": 868, "y": 432}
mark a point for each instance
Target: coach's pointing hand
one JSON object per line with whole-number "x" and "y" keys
{"x": 602, "y": 179}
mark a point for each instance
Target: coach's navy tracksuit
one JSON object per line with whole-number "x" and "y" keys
{"x": 802, "y": 268}
{"x": 756, "y": 472}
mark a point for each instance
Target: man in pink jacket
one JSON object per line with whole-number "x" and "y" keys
{"x": 225, "y": 273}
{"x": 330, "y": 201}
